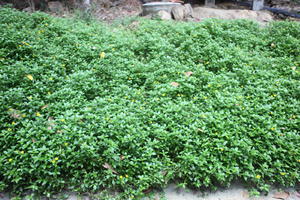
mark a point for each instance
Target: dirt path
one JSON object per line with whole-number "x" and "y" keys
{"x": 235, "y": 192}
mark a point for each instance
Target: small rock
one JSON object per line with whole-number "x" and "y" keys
{"x": 28, "y": 9}
{"x": 162, "y": 14}
{"x": 55, "y": 6}
{"x": 178, "y": 12}
{"x": 192, "y": 19}
{"x": 149, "y": 16}
{"x": 188, "y": 10}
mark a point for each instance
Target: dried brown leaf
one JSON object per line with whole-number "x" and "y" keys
{"x": 15, "y": 114}
{"x": 108, "y": 166}
{"x": 175, "y": 84}
{"x": 200, "y": 130}
{"x": 147, "y": 191}
{"x": 44, "y": 107}
{"x": 163, "y": 173}
{"x": 50, "y": 123}
{"x": 188, "y": 74}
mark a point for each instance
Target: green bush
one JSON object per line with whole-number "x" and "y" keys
{"x": 91, "y": 107}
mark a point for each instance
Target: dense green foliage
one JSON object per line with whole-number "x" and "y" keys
{"x": 132, "y": 107}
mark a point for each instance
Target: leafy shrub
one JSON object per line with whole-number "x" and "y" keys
{"x": 86, "y": 107}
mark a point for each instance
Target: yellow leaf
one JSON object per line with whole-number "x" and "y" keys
{"x": 30, "y": 77}
{"x": 102, "y": 55}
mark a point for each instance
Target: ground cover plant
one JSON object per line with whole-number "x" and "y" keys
{"x": 132, "y": 107}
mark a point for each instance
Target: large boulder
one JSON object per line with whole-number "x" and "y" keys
{"x": 178, "y": 12}
{"x": 162, "y": 14}
{"x": 189, "y": 13}
{"x": 182, "y": 12}
{"x": 260, "y": 16}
